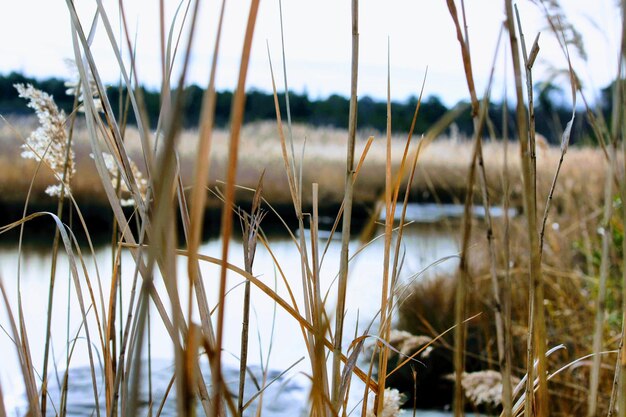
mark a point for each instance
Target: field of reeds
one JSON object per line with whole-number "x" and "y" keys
{"x": 530, "y": 323}
{"x": 441, "y": 175}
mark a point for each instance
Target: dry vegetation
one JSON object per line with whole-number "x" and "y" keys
{"x": 534, "y": 292}
{"x": 441, "y": 170}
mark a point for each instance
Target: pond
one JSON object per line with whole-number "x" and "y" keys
{"x": 275, "y": 338}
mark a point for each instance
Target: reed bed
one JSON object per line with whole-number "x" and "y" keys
{"x": 441, "y": 174}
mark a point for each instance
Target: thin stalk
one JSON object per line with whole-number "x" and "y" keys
{"x": 385, "y": 300}
{"x": 594, "y": 379}
{"x": 306, "y": 284}
{"x": 93, "y": 123}
{"x": 522, "y": 133}
{"x": 535, "y": 279}
{"x": 23, "y": 353}
{"x": 506, "y": 285}
{"x": 617, "y": 121}
{"x": 251, "y": 225}
{"x": 504, "y": 363}
{"x": 237, "y": 112}
{"x": 553, "y": 186}
{"x": 55, "y": 253}
{"x": 619, "y": 127}
{"x": 347, "y": 215}
{"x": 320, "y": 323}
{"x": 243, "y": 357}
{"x": 464, "y": 278}
{"x": 287, "y": 106}
{"x": 203, "y": 308}
{"x": 201, "y": 177}
{"x": 195, "y": 218}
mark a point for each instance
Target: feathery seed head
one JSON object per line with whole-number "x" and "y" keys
{"x": 391, "y": 406}
{"x": 50, "y": 141}
{"x": 140, "y": 181}
{"x": 74, "y": 88}
{"x": 483, "y": 387}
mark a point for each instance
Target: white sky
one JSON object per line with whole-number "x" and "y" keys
{"x": 36, "y": 39}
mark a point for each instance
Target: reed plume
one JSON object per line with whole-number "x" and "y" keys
{"x": 49, "y": 142}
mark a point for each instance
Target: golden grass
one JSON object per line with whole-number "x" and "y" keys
{"x": 570, "y": 290}
{"x": 441, "y": 170}
{"x": 553, "y": 283}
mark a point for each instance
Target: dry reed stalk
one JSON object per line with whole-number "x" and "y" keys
{"x": 564, "y": 145}
{"x": 321, "y": 401}
{"x": 319, "y": 391}
{"x": 287, "y": 106}
{"x": 93, "y": 123}
{"x": 23, "y": 352}
{"x": 359, "y": 165}
{"x": 503, "y": 360}
{"x": 618, "y": 127}
{"x": 565, "y": 137}
{"x": 251, "y": 228}
{"x": 307, "y": 335}
{"x": 288, "y": 308}
{"x": 67, "y": 166}
{"x": 621, "y": 364}
{"x": 163, "y": 247}
{"x": 59, "y": 152}
{"x": 385, "y": 301}
{"x": 198, "y": 196}
{"x": 321, "y": 398}
{"x": 134, "y": 95}
{"x": 386, "y": 318}
{"x": 594, "y": 378}
{"x": 111, "y": 194}
{"x": 202, "y": 304}
{"x": 536, "y": 282}
{"x": 347, "y": 210}
{"x": 619, "y": 120}
{"x": 67, "y": 244}
{"x": 464, "y": 279}
{"x": 227, "y": 221}
{"x": 116, "y": 143}
{"x": 507, "y": 392}
{"x": 201, "y": 178}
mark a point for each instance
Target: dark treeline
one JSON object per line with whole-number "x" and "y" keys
{"x": 551, "y": 115}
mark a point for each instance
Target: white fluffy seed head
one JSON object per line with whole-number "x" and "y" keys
{"x": 140, "y": 181}
{"x": 49, "y": 142}
{"x": 391, "y": 404}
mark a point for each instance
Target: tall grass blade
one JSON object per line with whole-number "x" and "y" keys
{"x": 347, "y": 209}
{"x": 23, "y": 352}
{"x": 251, "y": 226}
{"x": 227, "y": 221}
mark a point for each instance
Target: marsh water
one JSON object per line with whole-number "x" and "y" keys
{"x": 276, "y": 341}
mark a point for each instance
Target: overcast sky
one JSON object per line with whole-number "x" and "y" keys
{"x": 36, "y": 41}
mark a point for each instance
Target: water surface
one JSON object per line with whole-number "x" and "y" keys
{"x": 275, "y": 338}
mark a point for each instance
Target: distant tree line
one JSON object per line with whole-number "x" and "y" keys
{"x": 551, "y": 114}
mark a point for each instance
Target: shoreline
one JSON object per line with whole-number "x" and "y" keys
{"x": 441, "y": 175}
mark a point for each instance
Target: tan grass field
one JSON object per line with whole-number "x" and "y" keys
{"x": 441, "y": 172}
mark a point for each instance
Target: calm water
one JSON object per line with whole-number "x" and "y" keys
{"x": 423, "y": 244}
